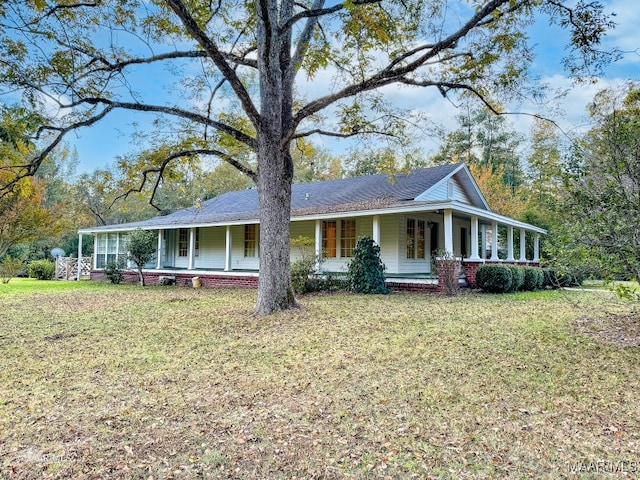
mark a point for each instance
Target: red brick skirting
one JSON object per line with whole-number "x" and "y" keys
{"x": 251, "y": 281}
{"x": 184, "y": 279}
{"x": 411, "y": 287}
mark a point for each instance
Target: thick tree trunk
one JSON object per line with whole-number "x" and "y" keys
{"x": 275, "y": 165}
{"x": 274, "y": 285}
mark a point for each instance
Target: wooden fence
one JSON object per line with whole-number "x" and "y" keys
{"x": 67, "y": 268}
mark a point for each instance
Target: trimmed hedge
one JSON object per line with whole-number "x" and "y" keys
{"x": 533, "y": 279}
{"x": 494, "y": 278}
{"x": 511, "y": 278}
{"x": 517, "y": 278}
{"x": 556, "y": 279}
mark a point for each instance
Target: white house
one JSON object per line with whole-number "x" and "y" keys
{"x": 410, "y": 216}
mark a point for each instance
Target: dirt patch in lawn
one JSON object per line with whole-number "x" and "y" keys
{"x": 612, "y": 329}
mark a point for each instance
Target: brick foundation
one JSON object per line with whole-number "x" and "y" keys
{"x": 184, "y": 279}
{"x": 469, "y": 268}
{"x": 411, "y": 287}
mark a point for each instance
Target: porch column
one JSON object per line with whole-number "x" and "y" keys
{"x": 523, "y": 245}
{"x": 448, "y": 231}
{"x": 95, "y": 250}
{"x": 510, "y": 257}
{"x": 159, "y": 259}
{"x": 536, "y": 247}
{"x": 376, "y": 229}
{"x": 474, "y": 238}
{"x": 318, "y": 250}
{"x": 483, "y": 242}
{"x": 227, "y": 253}
{"x": 494, "y": 241}
{"x": 79, "y": 256}
{"x": 192, "y": 247}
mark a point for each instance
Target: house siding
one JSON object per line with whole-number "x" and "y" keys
{"x": 459, "y": 193}
{"x": 412, "y": 265}
{"x": 388, "y": 242}
{"x": 212, "y": 248}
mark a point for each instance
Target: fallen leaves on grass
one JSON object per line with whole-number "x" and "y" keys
{"x": 612, "y": 329}
{"x": 174, "y": 383}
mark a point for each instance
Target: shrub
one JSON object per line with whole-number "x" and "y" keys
{"x": 571, "y": 278}
{"x": 550, "y": 278}
{"x": 533, "y": 279}
{"x": 42, "y": 269}
{"x": 366, "y": 271}
{"x": 517, "y": 278}
{"x": 113, "y": 272}
{"x": 554, "y": 278}
{"x": 303, "y": 279}
{"x": 10, "y": 267}
{"x": 494, "y": 278}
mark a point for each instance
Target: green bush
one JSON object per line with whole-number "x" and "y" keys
{"x": 554, "y": 278}
{"x": 517, "y": 278}
{"x": 303, "y": 270}
{"x": 10, "y": 267}
{"x": 533, "y": 279}
{"x": 42, "y": 269}
{"x": 113, "y": 272}
{"x": 494, "y": 278}
{"x": 366, "y": 271}
{"x": 550, "y": 278}
{"x": 571, "y": 278}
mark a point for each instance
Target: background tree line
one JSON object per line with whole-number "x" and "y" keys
{"x": 585, "y": 190}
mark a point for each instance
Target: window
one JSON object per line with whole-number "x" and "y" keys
{"x": 347, "y": 237}
{"x": 329, "y": 238}
{"x": 250, "y": 240}
{"x": 196, "y": 253}
{"x": 183, "y": 242}
{"x": 110, "y": 247}
{"x": 411, "y": 237}
{"x": 415, "y": 238}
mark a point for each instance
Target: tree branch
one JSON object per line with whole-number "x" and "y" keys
{"x": 174, "y": 111}
{"x": 320, "y": 12}
{"x": 392, "y": 72}
{"x": 30, "y": 168}
{"x": 217, "y": 57}
{"x": 159, "y": 170}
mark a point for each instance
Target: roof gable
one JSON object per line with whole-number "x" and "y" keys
{"x": 457, "y": 185}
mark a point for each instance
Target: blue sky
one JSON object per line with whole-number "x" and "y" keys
{"x": 100, "y": 145}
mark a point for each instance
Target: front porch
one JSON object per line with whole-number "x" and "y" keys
{"x": 409, "y": 238}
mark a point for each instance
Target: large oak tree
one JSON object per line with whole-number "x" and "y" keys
{"x": 260, "y": 74}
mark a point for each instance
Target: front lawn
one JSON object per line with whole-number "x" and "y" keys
{"x": 102, "y": 381}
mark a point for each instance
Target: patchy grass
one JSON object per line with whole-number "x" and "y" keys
{"x": 102, "y": 381}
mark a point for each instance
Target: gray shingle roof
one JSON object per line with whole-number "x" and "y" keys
{"x": 348, "y": 194}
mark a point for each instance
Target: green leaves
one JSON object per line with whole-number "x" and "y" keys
{"x": 366, "y": 270}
